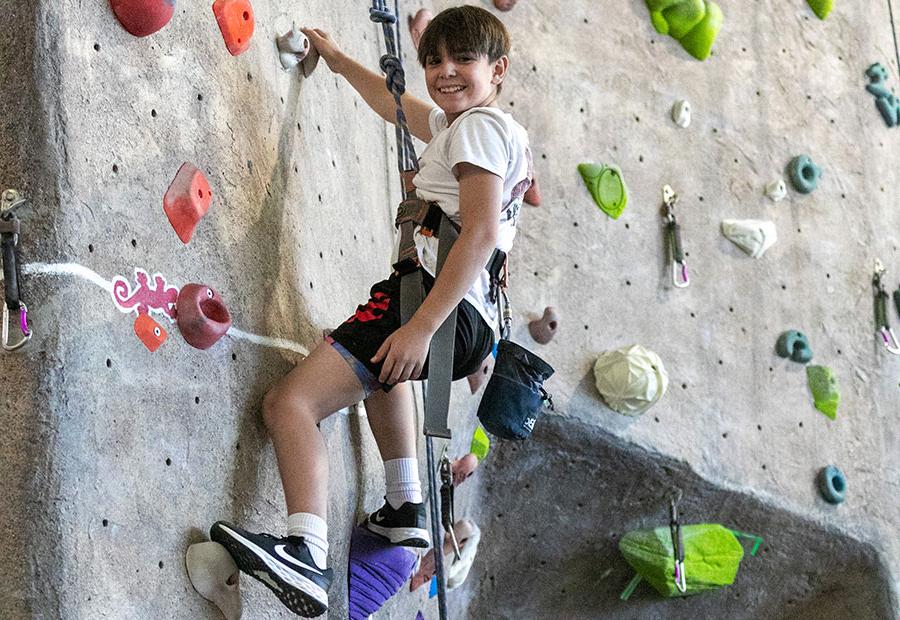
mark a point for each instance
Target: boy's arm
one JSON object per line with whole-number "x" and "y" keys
{"x": 372, "y": 86}
{"x": 480, "y": 197}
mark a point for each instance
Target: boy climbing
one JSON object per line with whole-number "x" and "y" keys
{"x": 476, "y": 169}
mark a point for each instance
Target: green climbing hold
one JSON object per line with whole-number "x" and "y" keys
{"x": 824, "y": 388}
{"x": 607, "y": 187}
{"x": 821, "y": 7}
{"x": 795, "y": 345}
{"x": 712, "y": 556}
{"x": 481, "y": 444}
{"x": 694, "y": 23}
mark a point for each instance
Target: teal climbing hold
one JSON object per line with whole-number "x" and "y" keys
{"x": 693, "y": 23}
{"x": 824, "y": 388}
{"x": 607, "y": 187}
{"x": 821, "y": 7}
{"x": 832, "y": 484}
{"x": 886, "y": 102}
{"x": 795, "y": 345}
{"x": 804, "y": 174}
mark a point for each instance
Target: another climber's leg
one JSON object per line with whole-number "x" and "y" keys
{"x": 392, "y": 418}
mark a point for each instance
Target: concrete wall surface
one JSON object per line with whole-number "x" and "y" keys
{"x": 114, "y": 459}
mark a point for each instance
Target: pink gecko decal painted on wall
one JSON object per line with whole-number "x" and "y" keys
{"x": 149, "y": 295}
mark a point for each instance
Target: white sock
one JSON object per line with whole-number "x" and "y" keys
{"x": 314, "y": 531}
{"x": 401, "y": 477}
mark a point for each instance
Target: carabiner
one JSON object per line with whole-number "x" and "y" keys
{"x": 23, "y": 326}
{"x": 680, "y": 277}
{"x": 446, "y": 471}
{"x": 882, "y": 326}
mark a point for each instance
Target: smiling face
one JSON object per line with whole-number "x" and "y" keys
{"x": 459, "y": 81}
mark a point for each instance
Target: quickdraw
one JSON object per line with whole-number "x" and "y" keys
{"x": 677, "y": 543}
{"x": 10, "y": 227}
{"x": 447, "y": 517}
{"x": 680, "y": 278}
{"x": 882, "y": 326}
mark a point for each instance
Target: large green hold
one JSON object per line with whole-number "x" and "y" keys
{"x": 712, "y": 556}
{"x": 821, "y": 7}
{"x": 693, "y": 23}
{"x": 607, "y": 187}
{"x": 824, "y": 388}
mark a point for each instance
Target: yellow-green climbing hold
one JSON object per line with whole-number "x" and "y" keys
{"x": 693, "y": 23}
{"x": 821, "y": 7}
{"x": 481, "y": 444}
{"x": 824, "y": 388}
{"x": 606, "y": 186}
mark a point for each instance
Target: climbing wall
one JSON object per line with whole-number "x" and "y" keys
{"x": 117, "y": 458}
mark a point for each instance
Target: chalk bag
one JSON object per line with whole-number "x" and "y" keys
{"x": 515, "y": 397}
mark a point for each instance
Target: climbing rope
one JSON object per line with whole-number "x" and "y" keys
{"x": 894, "y": 30}
{"x": 411, "y": 290}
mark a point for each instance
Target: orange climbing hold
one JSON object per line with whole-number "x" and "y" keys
{"x": 143, "y": 17}
{"x": 149, "y": 331}
{"x": 187, "y": 200}
{"x": 235, "y": 19}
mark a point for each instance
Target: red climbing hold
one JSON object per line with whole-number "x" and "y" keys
{"x": 235, "y": 19}
{"x": 505, "y": 5}
{"x": 143, "y": 17}
{"x": 187, "y": 200}
{"x": 149, "y": 331}
{"x": 201, "y": 315}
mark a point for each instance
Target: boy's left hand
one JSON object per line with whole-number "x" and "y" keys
{"x": 404, "y": 353}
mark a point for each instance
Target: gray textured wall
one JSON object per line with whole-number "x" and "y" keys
{"x": 115, "y": 459}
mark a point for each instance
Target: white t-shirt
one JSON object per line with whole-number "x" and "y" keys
{"x": 490, "y": 139}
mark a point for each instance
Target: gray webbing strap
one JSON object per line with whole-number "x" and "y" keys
{"x": 440, "y": 360}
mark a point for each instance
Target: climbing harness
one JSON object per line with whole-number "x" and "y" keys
{"x": 882, "y": 326}
{"x": 10, "y": 228}
{"x": 673, "y": 230}
{"x": 677, "y": 542}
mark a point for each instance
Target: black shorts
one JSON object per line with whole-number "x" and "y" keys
{"x": 358, "y": 338}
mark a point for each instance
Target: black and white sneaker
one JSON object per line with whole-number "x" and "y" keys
{"x": 404, "y": 526}
{"x": 283, "y": 564}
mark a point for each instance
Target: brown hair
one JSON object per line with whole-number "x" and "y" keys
{"x": 465, "y": 29}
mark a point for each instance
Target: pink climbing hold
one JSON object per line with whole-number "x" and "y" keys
{"x": 201, "y": 315}
{"x": 143, "y": 17}
{"x": 505, "y": 5}
{"x": 533, "y": 195}
{"x": 544, "y": 329}
{"x": 463, "y": 467}
{"x": 187, "y": 200}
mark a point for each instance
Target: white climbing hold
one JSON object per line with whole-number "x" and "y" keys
{"x": 752, "y": 236}
{"x": 776, "y": 190}
{"x": 470, "y": 535}
{"x": 681, "y": 113}
{"x": 294, "y": 48}
{"x": 631, "y": 379}
{"x": 215, "y": 577}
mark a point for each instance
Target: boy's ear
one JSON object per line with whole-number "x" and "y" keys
{"x": 501, "y": 66}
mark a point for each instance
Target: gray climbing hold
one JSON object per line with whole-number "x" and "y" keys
{"x": 832, "y": 484}
{"x": 681, "y": 113}
{"x": 215, "y": 577}
{"x": 804, "y": 174}
{"x": 776, "y": 190}
{"x": 795, "y": 345}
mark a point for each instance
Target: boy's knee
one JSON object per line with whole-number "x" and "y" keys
{"x": 278, "y": 408}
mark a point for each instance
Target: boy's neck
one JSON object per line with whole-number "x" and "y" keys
{"x": 452, "y": 116}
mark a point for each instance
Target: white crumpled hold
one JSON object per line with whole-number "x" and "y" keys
{"x": 215, "y": 577}
{"x": 681, "y": 113}
{"x": 630, "y": 379}
{"x": 752, "y": 236}
{"x": 776, "y": 190}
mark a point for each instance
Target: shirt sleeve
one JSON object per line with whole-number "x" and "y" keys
{"x": 437, "y": 121}
{"x": 481, "y": 139}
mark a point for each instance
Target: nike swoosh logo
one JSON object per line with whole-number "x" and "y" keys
{"x": 378, "y": 518}
{"x": 280, "y": 552}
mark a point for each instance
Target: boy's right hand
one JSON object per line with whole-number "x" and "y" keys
{"x": 326, "y": 47}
